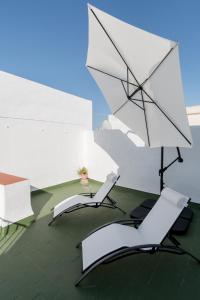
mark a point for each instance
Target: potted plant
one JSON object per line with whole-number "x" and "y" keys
{"x": 83, "y": 173}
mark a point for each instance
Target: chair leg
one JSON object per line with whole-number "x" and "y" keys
{"x": 51, "y": 222}
{"x": 173, "y": 240}
{"x": 113, "y": 203}
{"x": 82, "y": 277}
{"x": 94, "y": 265}
{"x": 123, "y": 211}
{"x": 78, "y": 244}
{"x": 111, "y": 200}
{"x": 190, "y": 254}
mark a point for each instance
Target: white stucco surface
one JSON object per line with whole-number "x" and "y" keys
{"x": 193, "y": 113}
{"x": 138, "y": 166}
{"x": 15, "y": 202}
{"x": 42, "y": 131}
{"x": 46, "y": 135}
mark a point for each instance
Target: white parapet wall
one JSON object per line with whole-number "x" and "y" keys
{"x": 46, "y": 135}
{"x": 193, "y": 113}
{"x": 115, "y": 147}
{"x": 42, "y": 131}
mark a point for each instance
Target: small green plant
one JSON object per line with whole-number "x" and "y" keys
{"x": 83, "y": 171}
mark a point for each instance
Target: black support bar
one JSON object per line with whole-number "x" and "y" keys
{"x": 163, "y": 169}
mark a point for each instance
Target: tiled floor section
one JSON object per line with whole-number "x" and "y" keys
{"x": 42, "y": 263}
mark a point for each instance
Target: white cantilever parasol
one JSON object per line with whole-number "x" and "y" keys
{"x": 139, "y": 76}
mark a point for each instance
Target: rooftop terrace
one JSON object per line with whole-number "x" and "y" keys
{"x": 41, "y": 262}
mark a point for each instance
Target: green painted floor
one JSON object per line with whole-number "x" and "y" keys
{"x": 41, "y": 262}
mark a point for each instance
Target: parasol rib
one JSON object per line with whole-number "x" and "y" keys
{"x": 139, "y": 100}
{"x": 114, "y": 45}
{"x": 145, "y": 116}
{"x": 127, "y": 82}
{"x": 131, "y": 100}
{"x": 154, "y": 71}
{"x": 167, "y": 117}
{"x": 126, "y": 101}
{"x": 120, "y": 107}
{"x": 105, "y": 73}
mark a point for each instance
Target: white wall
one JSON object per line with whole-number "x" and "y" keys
{"x": 46, "y": 135}
{"x": 112, "y": 150}
{"x": 193, "y": 113}
{"x": 138, "y": 166}
{"x": 22, "y": 98}
{"x": 97, "y": 159}
{"x": 41, "y": 131}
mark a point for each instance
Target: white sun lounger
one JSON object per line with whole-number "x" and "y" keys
{"x": 116, "y": 240}
{"x": 95, "y": 200}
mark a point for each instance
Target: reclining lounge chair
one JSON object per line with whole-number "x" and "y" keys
{"x": 115, "y": 240}
{"x": 95, "y": 200}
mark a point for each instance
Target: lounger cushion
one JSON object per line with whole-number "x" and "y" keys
{"x": 187, "y": 213}
{"x": 139, "y": 212}
{"x": 180, "y": 226}
{"x": 148, "y": 203}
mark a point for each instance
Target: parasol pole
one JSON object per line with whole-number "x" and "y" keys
{"x": 163, "y": 169}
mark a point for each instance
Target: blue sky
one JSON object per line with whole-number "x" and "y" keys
{"x": 46, "y": 41}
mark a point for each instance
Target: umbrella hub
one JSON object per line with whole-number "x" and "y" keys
{"x": 140, "y": 88}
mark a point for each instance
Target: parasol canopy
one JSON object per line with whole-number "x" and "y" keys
{"x": 139, "y": 76}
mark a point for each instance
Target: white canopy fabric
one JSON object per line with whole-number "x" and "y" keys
{"x": 139, "y": 75}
